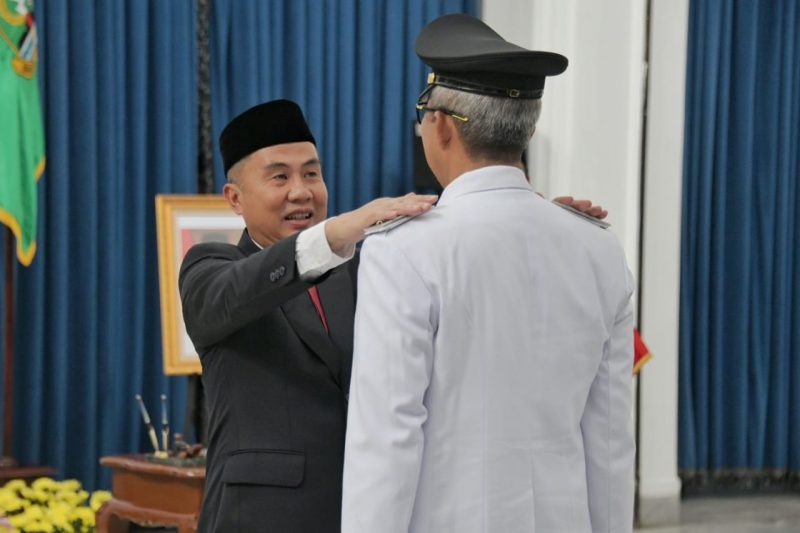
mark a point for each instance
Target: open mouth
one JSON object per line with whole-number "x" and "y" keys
{"x": 299, "y": 216}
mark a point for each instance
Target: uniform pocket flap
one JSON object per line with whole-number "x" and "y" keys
{"x": 265, "y": 467}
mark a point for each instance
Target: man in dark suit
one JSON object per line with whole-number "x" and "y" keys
{"x": 272, "y": 320}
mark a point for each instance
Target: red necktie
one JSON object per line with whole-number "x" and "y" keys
{"x": 318, "y": 306}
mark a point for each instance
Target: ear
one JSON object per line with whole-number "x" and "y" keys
{"x": 444, "y": 128}
{"x": 233, "y": 194}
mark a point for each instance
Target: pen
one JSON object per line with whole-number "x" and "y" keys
{"x": 164, "y": 423}
{"x": 150, "y": 429}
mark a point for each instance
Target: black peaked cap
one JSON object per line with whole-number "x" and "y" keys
{"x": 467, "y": 55}
{"x": 267, "y": 124}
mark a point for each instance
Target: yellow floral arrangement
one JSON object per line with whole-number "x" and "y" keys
{"x": 49, "y": 506}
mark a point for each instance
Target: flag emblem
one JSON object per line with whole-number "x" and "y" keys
{"x": 22, "y": 156}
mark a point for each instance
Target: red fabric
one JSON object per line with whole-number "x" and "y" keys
{"x": 641, "y": 353}
{"x": 314, "y": 293}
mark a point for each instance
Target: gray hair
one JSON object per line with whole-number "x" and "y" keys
{"x": 498, "y": 128}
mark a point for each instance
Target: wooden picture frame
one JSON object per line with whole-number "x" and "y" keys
{"x": 181, "y": 222}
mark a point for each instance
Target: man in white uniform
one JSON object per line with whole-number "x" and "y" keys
{"x": 491, "y": 384}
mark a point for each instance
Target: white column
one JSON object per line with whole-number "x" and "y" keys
{"x": 659, "y": 484}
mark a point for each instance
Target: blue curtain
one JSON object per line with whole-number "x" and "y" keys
{"x": 351, "y": 66}
{"x": 740, "y": 280}
{"x": 119, "y": 102}
{"x": 119, "y": 106}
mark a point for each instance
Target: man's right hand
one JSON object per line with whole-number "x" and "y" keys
{"x": 345, "y": 230}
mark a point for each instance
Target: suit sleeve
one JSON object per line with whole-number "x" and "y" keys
{"x": 392, "y": 359}
{"x": 608, "y": 435}
{"x": 223, "y": 291}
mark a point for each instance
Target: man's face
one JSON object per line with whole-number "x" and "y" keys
{"x": 279, "y": 191}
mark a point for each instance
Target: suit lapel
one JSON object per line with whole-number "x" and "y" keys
{"x": 306, "y": 323}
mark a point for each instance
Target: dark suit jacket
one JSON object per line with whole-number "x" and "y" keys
{"x": 276, "y": 385}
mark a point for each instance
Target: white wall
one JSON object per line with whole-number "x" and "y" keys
{"x": 589, "y": 144}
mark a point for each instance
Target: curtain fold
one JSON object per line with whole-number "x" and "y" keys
{"x": 351, "y": 66}
{"x": 119, "y": 103}
{"x": 119, "y": 106}
{"x": 740, "y": 268}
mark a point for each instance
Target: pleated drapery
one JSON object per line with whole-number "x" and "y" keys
{"x": 119, "y": 107}
{"x": 740, "y": 280}
{"x": 351, "y": 66}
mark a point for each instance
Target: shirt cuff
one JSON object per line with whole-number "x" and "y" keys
{"x": 314, "y": 255}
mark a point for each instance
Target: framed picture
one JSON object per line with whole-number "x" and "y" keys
{"x": 181, "y": 222}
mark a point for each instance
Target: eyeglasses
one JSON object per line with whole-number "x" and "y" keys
{"x": 422, "y": 109}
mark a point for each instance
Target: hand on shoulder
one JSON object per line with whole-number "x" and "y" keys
{"x": 348, "y": 228}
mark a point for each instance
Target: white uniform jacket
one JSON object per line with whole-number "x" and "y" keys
{"x": 491, "y": 384}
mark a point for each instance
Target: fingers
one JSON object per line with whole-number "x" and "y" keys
{"x": 597, "y": 211}
{"x": 582, "y": 205}
{"x": 585, "y": 206}
{"x": 348, "y": 228}
{"x": 410, "y": 204}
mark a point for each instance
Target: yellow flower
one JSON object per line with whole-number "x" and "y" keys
{"x": 11, "y": 505}
{"x": 30, "y": 520}
{"x": 74, "y": 499}
{"x": 59, "y": 507}
{"x": 99, "y": 497}
{"x": 19, "y": 521}
{"x": 63, "y": 496}
{"x": 81, "y": 496}
{"x": 49, "y": 506}
{"x": 34, "y": 512}
{"x": 85, "y": 515}
{"x": 45, "y": 484}
{"x": 10, "y": 502}
{"x": 39, "y": 526}
{"x": 33, "y": 495}
{"x": 70, "y": 484}
{"x": 14, "y": 484}
{"x": 62, "y": 522}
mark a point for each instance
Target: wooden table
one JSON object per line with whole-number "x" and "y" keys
{"x": 151, "y": 494}
{"x": 27, "y": 473}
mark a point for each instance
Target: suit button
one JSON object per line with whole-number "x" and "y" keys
{"x": 347, "y": 397}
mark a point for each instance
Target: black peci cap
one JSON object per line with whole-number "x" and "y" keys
{"x": 268, "y": 124}
{"x": 467, "y": 55}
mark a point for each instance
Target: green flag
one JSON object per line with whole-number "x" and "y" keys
{"x": 21, "y": 135}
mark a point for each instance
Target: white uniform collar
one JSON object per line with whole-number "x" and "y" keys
{"x": 485, "y": 179}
